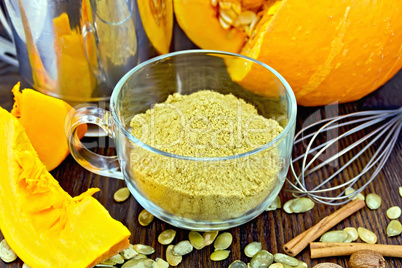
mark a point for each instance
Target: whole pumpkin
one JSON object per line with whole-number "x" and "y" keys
{"x": 329, "y": 51}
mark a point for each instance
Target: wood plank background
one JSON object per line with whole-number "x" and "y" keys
{"x": 273, "y": 229}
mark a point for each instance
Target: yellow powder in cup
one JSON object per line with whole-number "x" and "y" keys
{"x": 205, "y": 124}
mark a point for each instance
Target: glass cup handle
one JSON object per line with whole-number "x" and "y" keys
{"x": 89, "y": 34}
{"x": 107, "y": 166}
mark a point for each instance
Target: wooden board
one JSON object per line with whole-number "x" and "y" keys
{"x": 273, "y": 229}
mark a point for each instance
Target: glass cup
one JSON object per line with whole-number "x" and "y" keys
{"x": 194, "y": 192}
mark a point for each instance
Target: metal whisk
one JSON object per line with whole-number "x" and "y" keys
{"x": 384, "y": 127}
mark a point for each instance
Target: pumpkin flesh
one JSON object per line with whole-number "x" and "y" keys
{"x": 75, "y": 78}
{"x": 328, "y": 51}
{"x": 43, "y": 118}
{"x": 43, "y": 224}
{"x": 157, "y": 20}
{"x": 198, "y": 19}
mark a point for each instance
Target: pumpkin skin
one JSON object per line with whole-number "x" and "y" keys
{"x": 43, "y": 224}
{"x": 43, "y": 118}
{"x": 328, "y": 51}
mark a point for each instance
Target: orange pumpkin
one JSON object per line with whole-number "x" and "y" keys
{"x": 157, "y": 19}
{"x": 328, "y": 51}
{"x": 43, "y": 224}
{"x": 43, "y": 118}
{"x": 75, "y": 79}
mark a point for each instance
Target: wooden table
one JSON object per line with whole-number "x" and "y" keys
{"x": 273, "y": 229}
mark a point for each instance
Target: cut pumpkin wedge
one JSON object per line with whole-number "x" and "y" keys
{"x": 43, "y": 118}
{"x": 76, "y": 82}
{"x": 199, "y": 20}
{"x": 43, "y": 224}
{"x": 157, "y": 20}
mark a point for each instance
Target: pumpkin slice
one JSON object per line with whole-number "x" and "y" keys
{"x": 200, "y": 21}
{"x": 76, "y": 82}
{"x": 328, "y": 51}
{"x": 43, "y": 118}
{"x": 157, "y": 19}
{"x": 44, "y": 225}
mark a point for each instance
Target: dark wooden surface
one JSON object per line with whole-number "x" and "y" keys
{"x": 273, "y": 229}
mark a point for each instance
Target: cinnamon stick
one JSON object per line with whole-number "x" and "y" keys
{"x": 321, "y": 250}
{"x": 297, "y": 244}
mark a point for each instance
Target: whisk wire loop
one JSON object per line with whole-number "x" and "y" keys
{"x": 388, "y": 122}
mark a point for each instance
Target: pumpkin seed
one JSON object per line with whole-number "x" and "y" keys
{"x": 349, "y": 191}
{"x": 220, "y": 255}
{"x": 138, "y": 263}
{"x": 276, "y": 265}
{"x": 172, "y": 259}
{"x": 145, "y": 218}
{"x": 196, "y": 239}
{"x": 209, "y": 237}
{"x": 24, "y": 265}
{"x": 223, "y": 23}
{"x": 228, "y": 15}
{"x": 160, "y": 263}
{"x": 400, "y": 191}
{"x": 287, "y": 206}
{"x": 214, "y": 3}
{"x": 122, "y": 194}
{"x": 108, "y": 263}
{"x": 348, "y": 239}
{"x": 237, "y": 264}
{"x": 167, "y": 236}
{"x": 182, "y": 248}
{"x": 352, "y": 232}
{"x": 373, "y": 201}
{"x": 394, "y": 212}
{"x": 367, "y": 235}
{"x": 262, "y": 259}
{"x": 6, "y": 253}
{"x": 143, "y": 249}
{"x": 359, "y": 196}
{"x": 327, "y": 265}
{"x": 275, "y": 205}
{"x": 302, "y": 265}
{"x": 236, "y": 8}
{"x": 334, "y": 236}
{"x": 225, "y": 5}
{"x": 251, "y": 249}
{"x": 285, "y": 259}
{"x": 252, "y": 26}
{"x": 140, "y": 256}
{"x": 246, "y": 17}
{"x": 223, "y": 241}
{"x": 117, "y": 259}
{"x": 301, "y": 204}
{"x": 128, "y": 253}
{"x": 394, "y": 228}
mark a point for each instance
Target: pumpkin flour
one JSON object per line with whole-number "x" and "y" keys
{"x": 205, "y": 124}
